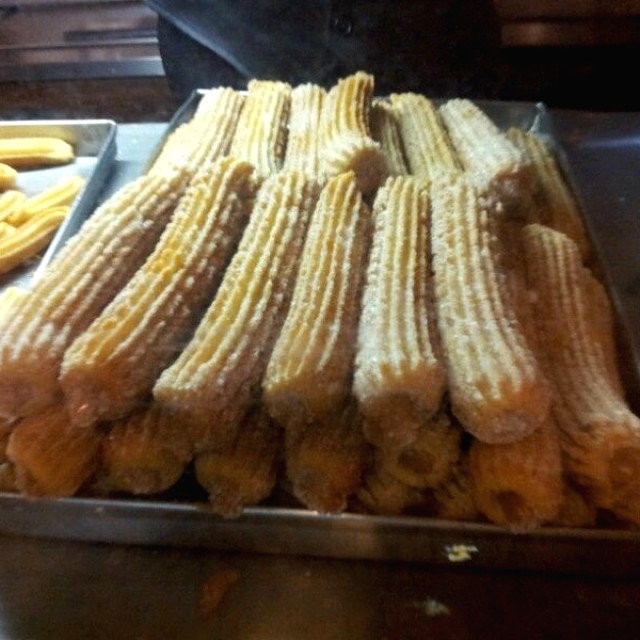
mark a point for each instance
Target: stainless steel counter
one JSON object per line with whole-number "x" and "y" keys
{"x": 67, "y": 590}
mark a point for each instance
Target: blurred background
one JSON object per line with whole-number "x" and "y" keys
{"x": 102, "y": 58}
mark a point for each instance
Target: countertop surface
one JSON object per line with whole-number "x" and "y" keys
{"x": 62, "y": 589}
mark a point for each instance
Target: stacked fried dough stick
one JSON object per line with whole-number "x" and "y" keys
{"x": 267, "y": 308}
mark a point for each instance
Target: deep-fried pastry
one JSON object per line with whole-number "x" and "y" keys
{"x": 217, "y": 376}
{"x": 384, "y": 494}
{"x": 310, "y": 370}
{"x": 326, "y": 460}
{"x": 428, "y": 459}
{"x": 385, "y": 128}
{"x": 7, "y": 477}
{"x": 30, "y": 237}
{"x": 560, "y": 209}
{"x": 576, "y": 510}
{"x": 112, "y": 366}
{"x": 146, "y": 452}
{"x": 8, "y": 177}
{"x": 454, "y": 498}
{"x": 26, "y": 152}
{"x": 11, "y": 203}
{"x": 244, "y": 472}
{"x": 51, "y": 457}
{"x": 303, "y": 141}
{"x": 207, "y": 136}
{"x": 399, "y": 378}
{"x": 261, "y": 134}
{"x": 428, "y": 148}
{"x": 492, "y": 161}
{"x": 59, "y": 195}
{"x": 519, "y": 485}
{"x": 347, "y": 143}
{"x": 79, "y": 282}
{"x": 601, "y": 323}
{"x": 600, "y": 436}
{"x": 497, "y": 389}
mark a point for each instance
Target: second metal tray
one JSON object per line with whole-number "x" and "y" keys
{"x": 94, "y": 143}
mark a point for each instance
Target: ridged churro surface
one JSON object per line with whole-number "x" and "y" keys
{"x": 112, "y": 366}
{"x": 385, "y": 128}
{"x": 207, "y": 136}
{"x": 326, "y": 460}
{"x": 244, "y": 472}
{"x": 425, "y": 140}
{"x": 84, "y": 276}
{"x": 50, "y": 456}
{"x": 146, "y": 452}
{"x": 260, "y": 137}
{"x": 310, "y": 370}
{"x": 600, "y": 436}
{"x": 303, "y": 141}
{"x": 560, "y": 210}
{"x": 519, "y": 485}
{"x": 399, "y": 378}
{"x": 215, "y": 378}
{"x": 347, "y": 143}
{"x": 491, "y": 159}
{"x": 497, "y": 389}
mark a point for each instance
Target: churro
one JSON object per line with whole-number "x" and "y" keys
{"x": 498, "y": 391}
{"x": 347, "y": 142}
{"x": 399, "y": 378}
{"x": 112, "y": 366}
{"x": 428, "y": 148}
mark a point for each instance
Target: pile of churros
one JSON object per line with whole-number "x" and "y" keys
{"x": 375, "y": 305}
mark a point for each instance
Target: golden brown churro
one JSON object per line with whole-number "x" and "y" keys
{"x": 385, "y": 128}
{"x": 600, "y": 436}
{"x": 303, "y": 142}
{"x": 399, "y": 379}
{"x": 428, "y": 459}
{"x": 143, "y": 453}
{"x": 428, "y": 148}
{"x": 454, "y": 498}
{"x": 347, "y": 142}
{"x": 384, "y": 494}
{"x": 80, "y": 281}
{"x": 244, "y": 472}
{"x": 519, "y": 485}
{"x": 112, "y": 366}
{"x": 560, "y": 209}
{"x": 207, "y": 136}
{"x": 492, "y": 161}
{"x": 326, "y": 460}
{"x": 217, "y": 376}
{"x": 497, "y": 389}
{"x": 310, "y": 370}
{"x": 35, "y": 151}
{"x": 50, "y": 456}
{"x": 28, "y": 239}
{"x": 260, "y": 137}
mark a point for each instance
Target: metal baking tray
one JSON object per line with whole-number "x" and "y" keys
{"x": 182, "y": 520}
{"x": 94, "y": 143}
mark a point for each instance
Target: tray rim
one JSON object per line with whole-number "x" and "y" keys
{"x": 86, "y": 199}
